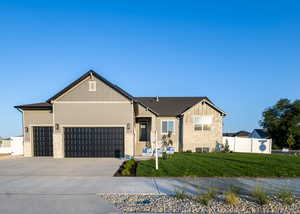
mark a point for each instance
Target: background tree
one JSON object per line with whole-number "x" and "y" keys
{"x": 281, "y": 121}
{"x": 291, "y": 141}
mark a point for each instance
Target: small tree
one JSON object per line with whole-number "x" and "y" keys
{"x": 291, "y": 141}
{"x": 226, "y": 148}
{"x": 166, "y": 140}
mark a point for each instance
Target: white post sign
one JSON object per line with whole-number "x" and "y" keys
{"x": 156, "y": 153}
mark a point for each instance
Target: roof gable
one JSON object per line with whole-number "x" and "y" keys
{"x": 261, "y": 133}
{"x": 83, "y": 78}
{"x": 172, "y": 106}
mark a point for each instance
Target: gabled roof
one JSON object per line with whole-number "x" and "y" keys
{"x": 242, "y": 134}
{"x": 171, "y": 106}
{"x": 84, "y": 76}
{"x": 36, "y": 106}
{"x": 237, "y": 134}
{"x": 166, "y": 106}
{"x": 262, "y": 133}
{"x": 229, "y": 134}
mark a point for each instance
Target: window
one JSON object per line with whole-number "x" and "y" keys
{"x": 202, "y": 123}
{"x": 92, "y": 86}
{"x": 167, "y": 126}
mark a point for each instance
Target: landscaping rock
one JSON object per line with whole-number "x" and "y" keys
{"x": 131, "y": 203}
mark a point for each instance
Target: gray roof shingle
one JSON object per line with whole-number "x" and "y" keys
{"x": 170, "y": 106}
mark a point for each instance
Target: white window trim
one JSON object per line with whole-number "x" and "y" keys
{"x": 202, "y": 130}
{"x": 161, "y": 127}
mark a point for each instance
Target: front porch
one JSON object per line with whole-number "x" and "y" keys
{"x": 143, "y": 134}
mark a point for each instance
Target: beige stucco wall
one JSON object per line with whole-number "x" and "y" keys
{"x": 81, "y": 93}
{"x": 34, "y": 118}
{"x": 193, "y": 139}
{"x": 92, "y": 115}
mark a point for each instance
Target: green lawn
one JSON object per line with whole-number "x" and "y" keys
{"x": 222, "y": 165}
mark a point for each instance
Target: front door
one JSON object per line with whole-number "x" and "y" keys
{"x": 144, "y": 136}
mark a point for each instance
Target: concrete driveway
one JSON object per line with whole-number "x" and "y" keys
{"x": 47, "y": 185}
{"x": 44, "y": 166}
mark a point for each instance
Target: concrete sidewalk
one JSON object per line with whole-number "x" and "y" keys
{"x": 94, "y": 185}
{"x": 65, "y": 194}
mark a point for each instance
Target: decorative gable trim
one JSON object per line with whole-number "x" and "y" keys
{"x": 208, "y": 103}
{"x": 89, "y": 74}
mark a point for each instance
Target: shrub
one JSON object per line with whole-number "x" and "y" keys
{"x": 260, "y": 195}
{"x": 287, "y": 196}
{"x": 232, "y": 198}
{"x": 226, "y": 147}
{"x": 207, "y": 196}
{"x": 188, "y": 151}
{"x": 165, "y": 156}
{"x": 125, "y": 172}
{"x": 129, "y": 164}
{"x": 180, "y": 194}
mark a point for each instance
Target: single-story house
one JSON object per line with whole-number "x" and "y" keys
{"x": 93, "y": 117}
{"x": 238, "y": 134}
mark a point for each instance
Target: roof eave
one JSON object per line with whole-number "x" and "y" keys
{"x": 84, "y": 76}
{"x": 208, "y": 102}
{"x": 147, "y": 107}
{"x": 33, "y": 108}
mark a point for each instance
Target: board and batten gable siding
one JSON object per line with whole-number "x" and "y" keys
{"x": 193, "y": 139}
{"x": 34, "y": 118}
{"x": 81, "y": 92}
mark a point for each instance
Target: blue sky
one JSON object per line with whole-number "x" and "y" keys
{"x": 244, "y": 55}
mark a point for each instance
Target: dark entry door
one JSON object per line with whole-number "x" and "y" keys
{"x": 94, "y": 142}
{"x": 143, "y": 131}
{"x": 42, "y": 141}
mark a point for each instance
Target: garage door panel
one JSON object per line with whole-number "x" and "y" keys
{"x": 94, "y": 142}
{"x": 43, "y": 141}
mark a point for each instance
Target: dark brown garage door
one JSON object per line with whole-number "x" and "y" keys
{"x": 94, "y": 142}
{"x": 42, "y": 141}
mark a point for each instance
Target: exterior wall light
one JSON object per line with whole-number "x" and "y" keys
{"x": 128, "y": 126}
{"x": 56, "y": 126}
{"x": 26, "y": 129}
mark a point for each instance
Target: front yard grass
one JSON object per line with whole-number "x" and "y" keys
{"x": 222, "y": 165}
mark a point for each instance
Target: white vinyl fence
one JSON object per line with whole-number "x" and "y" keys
{"x": 248, "y": 145}
{"x": 17, "y": 146}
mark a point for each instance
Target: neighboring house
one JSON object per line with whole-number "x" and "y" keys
{"x": 237, "y": 134}
{"x": 244, "y": 141}
{"x": 259, "y": 133}
{"x": 5, "y": 145}
{"x": 92, "y": 117}
{"x": 13, "y": 145}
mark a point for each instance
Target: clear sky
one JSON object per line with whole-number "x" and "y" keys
{"x": 244, "y": 55}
